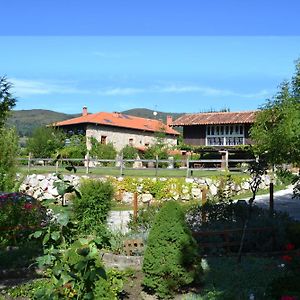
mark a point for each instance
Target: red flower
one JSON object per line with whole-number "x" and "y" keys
{"x": 290, "y": 247}
{"x": 287, "y": 258}
{"x": 28, "y": 206}
{"x": 288, "y": 298}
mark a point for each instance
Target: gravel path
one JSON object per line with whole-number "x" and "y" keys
{"x": 283, "y": 201}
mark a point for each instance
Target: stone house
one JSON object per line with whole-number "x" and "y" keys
{"x": 216, "y": 129}
{"x": 119, "y": 129}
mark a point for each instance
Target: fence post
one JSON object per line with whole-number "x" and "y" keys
{"x": 135, "y": 206}
{"x": 156, "y": 165}
{"x": 87, "y": 162}
{"x": 56, "y": 167}
{"x": 271, "y": 204}
{"x": 29, "y": 162}
{"x": 121, "y": 165}
{"x": 187, "y": 167}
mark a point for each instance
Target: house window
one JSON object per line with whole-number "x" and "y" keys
{"x": 225, "y": 135}
{"x": 103, "y": 140}
{"x": 130, "y": 142}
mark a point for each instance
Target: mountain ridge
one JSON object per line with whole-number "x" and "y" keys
{"x": 26, "y": 121}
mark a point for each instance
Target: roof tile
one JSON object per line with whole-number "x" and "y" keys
{"x": 216, "y": 118}
{"x": 120, "y": 120}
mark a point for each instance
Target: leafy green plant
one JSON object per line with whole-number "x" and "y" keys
{"x": 145, "y": 219}
{"x": 75, "y": 272}
{"x": 170, "y": 261}
{"x": 91, "y": 210}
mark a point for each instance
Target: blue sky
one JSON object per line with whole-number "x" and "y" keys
{"x": 175, "y": 56}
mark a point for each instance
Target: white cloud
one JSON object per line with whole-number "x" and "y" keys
{"x": 120, "y": 91}
{"x": 25, "y": 87}
{"x": 209, "y": 91}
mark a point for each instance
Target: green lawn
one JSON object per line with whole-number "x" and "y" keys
{"x": 127, "y": 172}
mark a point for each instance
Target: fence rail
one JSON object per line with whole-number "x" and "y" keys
{"x": 187, "y": 166}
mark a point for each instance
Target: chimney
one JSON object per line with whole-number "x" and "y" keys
{"x": 84, "y": 111}
{"x": 169, "y": 121}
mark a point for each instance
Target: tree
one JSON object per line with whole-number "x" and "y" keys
{"x": 45, "y": 142}
{"x": 8, "y": 152}
{"x": 276, "y": 132}
{"x": 7, "y": 101}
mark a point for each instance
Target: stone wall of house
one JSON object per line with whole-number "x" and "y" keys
{"x": 121, "y": 137}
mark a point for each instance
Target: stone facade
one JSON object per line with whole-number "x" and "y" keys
{"x": 120, "y": 137}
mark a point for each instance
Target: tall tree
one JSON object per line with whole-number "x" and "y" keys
{"x": 276, "y": 131}
{"x": 7, "y": 101}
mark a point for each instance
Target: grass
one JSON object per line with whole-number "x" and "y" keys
{"x": 248, "y": 194}
{"x": 127, "y": 172}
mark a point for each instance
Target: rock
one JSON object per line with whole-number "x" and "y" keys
{"x": 37, "y": 194}
{"x": 127, "y": 197}
{"x": 245, "y": 185}
{"x": 189, "y": 180}
{"x": 46, "y": 196}
{"x": 145, "y": 296}
{"x": 146, "y": 198}
{"x": 213, "y": 190}
{"x": 40, "y": 177}
{"x": 196, "y": 193}
{"x": 53, "y": 191}
{"x": 175, "y": 196}
{"x": 137, "y": 165}
{"x": 185, "y": 190}
{"x": 44, "y": 184}
{"x": 208, "y": 181}
{"x": 33, "y": 181}
{"x": 266, "y": 179}
{"x": 69, "y": 196}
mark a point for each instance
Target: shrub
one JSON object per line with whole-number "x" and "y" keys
{"x": 170, "y": 260}
{"x": 103, "y": 151}
{"x": 92, "y": 208}
{"x": 20, "y": 214}
{"x": 129, "y": 152}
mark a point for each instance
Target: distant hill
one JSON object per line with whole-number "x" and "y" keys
{"x": 148, "y": 113}
{"x": 27, "y": 120}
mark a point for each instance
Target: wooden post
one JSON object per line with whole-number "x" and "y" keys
{"x": 156, "y": 165}
{"x": 204, "y": 196}
{"x": 271, "y": 204}
{"x": 87, "y": 163}
{"x": 203, "y": 201}
{"x": 29, "y": 162}
{"x": 121, "y": 165}
{"x": 187, "y": 167}
{"x": 135, "y": 206}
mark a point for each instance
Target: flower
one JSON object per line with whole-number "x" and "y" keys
{"x": 287, "y": 258}
{"x": 28, "y": 206}
{"x": 290, "y": 247}
{"x": 288, "y": 298}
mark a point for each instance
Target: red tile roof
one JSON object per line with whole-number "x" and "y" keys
{"x": 120, "y": 120}
{"x": 216, "y": 118}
